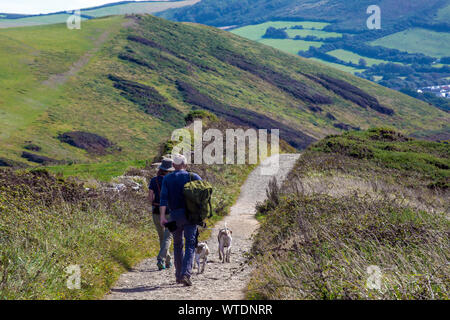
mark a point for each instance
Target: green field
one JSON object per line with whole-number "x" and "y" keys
{"x": 255, "y": 32}
{"x": 289, "y": 45}
{"x": 339, "y": 66}
{"x": 143, "y": 7}
{"x": 292, "y": 33}
{"x": 34, "y": 21}
{"x": 416, "y": 40}
{"x": 443, "y": 14}
{"x": 349, "y": 56}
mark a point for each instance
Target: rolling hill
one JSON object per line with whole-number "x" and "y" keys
{"x": 350, "y": 14}
{"x": 113, "y": 91}
{"x": 117, "y": 8}
{"x": 409, "y": 52}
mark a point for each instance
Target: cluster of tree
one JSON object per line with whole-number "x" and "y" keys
{"x": 412, "y": 72}
{"x": 438, "y": 27}
{"x": 384, "y": 53}
{"x": 314, "y": 38}
{"x": 356, "y": 45}
{"x": 441, "y": 103}
{"x": 445, "y": 60}
{"x": 274, "y": 33}
{"x": 397, "y": 76}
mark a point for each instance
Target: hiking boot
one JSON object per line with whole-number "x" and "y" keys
{"x": 168, "y": 265}
{"x": 186, "y": 281}
{"x": 160, "y": 266}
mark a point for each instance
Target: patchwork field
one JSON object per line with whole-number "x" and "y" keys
{"x": 255, "y": 32}
{"x": 349, "y": 56}
{"x": 292, "y": 33}
{"x": 289, "y": 45}
{"x": 416, "y": 40}
{"x": 35, "y": 21}
{"x": 338, "y": 66}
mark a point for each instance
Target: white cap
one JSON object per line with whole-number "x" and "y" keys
{"x": 178, "y": 159}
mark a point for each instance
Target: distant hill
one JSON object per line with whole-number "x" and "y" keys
{"x": 113, "y": 91}
{"x": 117, "y": 8}
{"x": 349, "y": 14}
{"x": 405, "y": 54}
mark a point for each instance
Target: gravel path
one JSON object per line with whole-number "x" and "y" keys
{"x": 220, "y": 281}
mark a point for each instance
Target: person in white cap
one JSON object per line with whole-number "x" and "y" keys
{"x": 173, "y": 198}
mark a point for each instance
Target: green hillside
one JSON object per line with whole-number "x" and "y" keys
{"x": 416, "y": 40}
{"x": 352, "y": 203}
{"x": 120, "y": 8}
{"x": 350, "y": 14}
{"x": 113, "y": 91}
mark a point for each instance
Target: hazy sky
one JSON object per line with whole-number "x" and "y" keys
{"x": 47, "y": 6}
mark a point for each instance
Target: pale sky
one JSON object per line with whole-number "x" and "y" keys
{"x": 47, "y": 6}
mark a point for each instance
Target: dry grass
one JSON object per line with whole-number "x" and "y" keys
{"x": 47, "y": 224}
{"x": 319, "y": 247}
{"x": 337, "y": 215}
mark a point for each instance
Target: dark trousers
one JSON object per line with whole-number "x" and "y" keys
{"x": 183, "y": 260}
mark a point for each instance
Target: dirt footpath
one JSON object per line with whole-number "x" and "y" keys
{"x": 220, "y": 281}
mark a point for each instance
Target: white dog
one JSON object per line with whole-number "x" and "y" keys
{"x": 225, "y": 240}
{"x": 201, "y": 253}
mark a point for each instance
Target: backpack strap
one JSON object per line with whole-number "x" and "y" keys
{"x": 210, "y": 208}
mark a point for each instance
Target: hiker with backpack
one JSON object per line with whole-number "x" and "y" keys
{"x": 165, "y": 236}
{"x": 186, "y": 195}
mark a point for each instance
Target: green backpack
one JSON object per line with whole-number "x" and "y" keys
{"x": 197, "y": 197}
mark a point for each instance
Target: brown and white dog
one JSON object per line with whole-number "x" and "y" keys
{"x": 201, "y": 253}
{"x": 225, "y": 240}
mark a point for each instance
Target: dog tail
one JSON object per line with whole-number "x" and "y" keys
{"x": 226, "y": 227}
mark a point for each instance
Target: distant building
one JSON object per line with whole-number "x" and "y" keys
{"x": 440, "y": 91}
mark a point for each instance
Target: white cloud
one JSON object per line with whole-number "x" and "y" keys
{"x": 47, "y": 6}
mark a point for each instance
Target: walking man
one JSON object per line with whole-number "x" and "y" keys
{"x": 173, "y": 198}
{"x": 165, "y": 237}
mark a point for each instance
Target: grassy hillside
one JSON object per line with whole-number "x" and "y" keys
{"x": 121, "y": 8}
{"x": 416, "y": 40}
{"x": 48, "y": 223}
{"x": 348, "y": 14}
{"x": 361, "y": 199}
{"x": 413, "y": 34}
{"x": 113, "y": 91}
